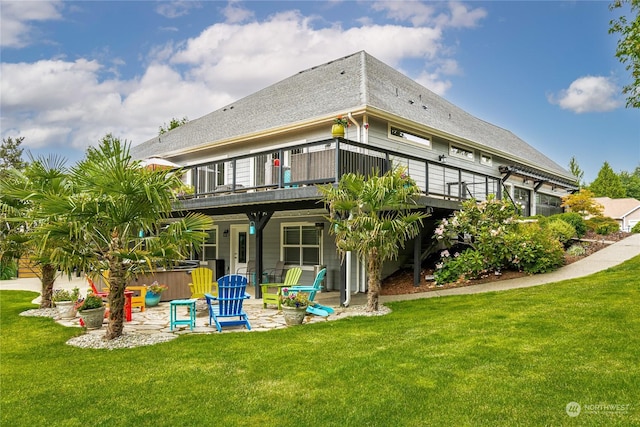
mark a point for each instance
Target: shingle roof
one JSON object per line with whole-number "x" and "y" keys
{"x": 346, "y": 84}
{"x": 618, "y": 208}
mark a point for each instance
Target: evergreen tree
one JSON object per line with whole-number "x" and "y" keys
{"x": 576, "y": 171}
{"x": 631, "y": 182}
{"x": 607, "y": 184}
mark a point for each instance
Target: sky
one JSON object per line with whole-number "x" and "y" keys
{"x": 73, "y": 71}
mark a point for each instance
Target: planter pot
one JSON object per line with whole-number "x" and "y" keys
{"x": 151, "y": 299}
{"x": 293, "y": 315}
{"x": 93, "y": 317}
{"x": 337, "y": 131}
{"x": 66, "y": 309}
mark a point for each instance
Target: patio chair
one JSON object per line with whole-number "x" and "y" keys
{"x": 291, "y": 279}
{"x": 202, "y": 283}
{"x": 232, "y": 291}
{"x": 275, "y": 274}
{"x": 314, "y": 307}
{"x": 137, "y": 298}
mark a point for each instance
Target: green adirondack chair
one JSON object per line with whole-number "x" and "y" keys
{"x": 290, "y": 279}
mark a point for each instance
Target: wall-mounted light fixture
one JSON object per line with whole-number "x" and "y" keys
{"x": 252, "y": 227}
{"x": 442, "y": 158}
{"x": 225, "y": 233}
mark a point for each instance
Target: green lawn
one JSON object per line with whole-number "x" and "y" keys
{"x": 508, "y": 358}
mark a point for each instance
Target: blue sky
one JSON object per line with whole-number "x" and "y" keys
{"x": 545, "y": 70}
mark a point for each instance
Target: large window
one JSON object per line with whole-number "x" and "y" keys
{"x": 548, "y": 205}
{"x": 522, "y": 197}
{"x": 301, "y": 244}
{"x": 397, "y": 133}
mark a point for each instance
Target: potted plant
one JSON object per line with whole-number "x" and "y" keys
{"x": 154, "y": 292}
{"x": 294, "y": 306}
{"x": 65, "y": 301}
{"x": 337, "y": 130}
{"x": 92, "y": 311}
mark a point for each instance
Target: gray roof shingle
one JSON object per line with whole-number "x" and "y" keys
{"x": 345, "y": 84}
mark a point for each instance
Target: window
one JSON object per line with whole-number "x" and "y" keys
{"x": 301, "y": 244}
{"x": 403, "y": 135}
{"x": 548, "y": 205}
{"x": 463, "y": 153}
{"x": 522, "y": 197}
{"x": 486, "y": 159}
{"x": 209, "y": 248}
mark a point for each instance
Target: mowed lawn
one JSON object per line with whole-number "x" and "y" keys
{"x": 506, "y": 358}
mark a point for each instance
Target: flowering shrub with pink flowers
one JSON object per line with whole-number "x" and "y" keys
{"x": 496, "y": 239}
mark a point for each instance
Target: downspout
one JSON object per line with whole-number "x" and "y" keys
{"x": 347, "y": 260}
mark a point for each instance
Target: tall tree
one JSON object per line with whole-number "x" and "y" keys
{"x": 631, "y": 183}
{"x": 373, "y": 217}
{"x": 11, "y": 155}
{"x": 173, "y": 123}
{"x": 576, "y": 171}
{"x": 607, "y": 183}
{"x": 116, "y": 217}
{"x": 628, "y": 49}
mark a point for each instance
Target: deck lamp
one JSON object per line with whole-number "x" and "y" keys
{"x": 252, "y": 227}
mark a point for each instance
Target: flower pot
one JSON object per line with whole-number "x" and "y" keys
{"x": 337, "y": 131}
{"x": 66, "y": 309}
{"x": 293, "y": 315}
{"x": 151, "y": 299}
{"x": 93, "y": 317}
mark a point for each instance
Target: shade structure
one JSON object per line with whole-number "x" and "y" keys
{"x": 154, "y": 163}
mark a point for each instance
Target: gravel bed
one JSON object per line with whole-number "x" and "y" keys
{"x": 95, "y": 339}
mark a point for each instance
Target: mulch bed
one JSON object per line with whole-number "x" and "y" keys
{"x": 402, "y": 281}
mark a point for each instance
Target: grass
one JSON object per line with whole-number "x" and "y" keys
{"x": 508, "y": 358}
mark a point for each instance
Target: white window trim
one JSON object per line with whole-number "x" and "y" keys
{"x": 204, "y": 244}
{"x": 460, "y": 156}
{"x": 411, "y": 132}
{"x": 300, "y": 224}
{"x": 489, "y": 157}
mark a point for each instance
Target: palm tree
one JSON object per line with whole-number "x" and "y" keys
{"x": 22, "y": 191}
{"x": 373, "y": 217}
{"x": 116, "y": 217}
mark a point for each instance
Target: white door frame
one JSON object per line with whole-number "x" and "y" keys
{"x": 234, "y": 256}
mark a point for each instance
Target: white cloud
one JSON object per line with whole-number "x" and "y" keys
{"x": 176, "y": 9}
{"x": 419, "y": 14}
{"x": 588, "y": 94}
{"x": 16, "y": 30}
{"x": 236, "y": 14}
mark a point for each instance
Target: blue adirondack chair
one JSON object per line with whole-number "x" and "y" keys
{"x": 314, "y": 307}
{"x": 231, "y": 294}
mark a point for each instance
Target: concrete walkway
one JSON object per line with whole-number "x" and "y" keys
{"x": 156, "y": 319}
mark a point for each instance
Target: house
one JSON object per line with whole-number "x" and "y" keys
{"x": 625, "y": 211}
{"x": 254, "y": 164}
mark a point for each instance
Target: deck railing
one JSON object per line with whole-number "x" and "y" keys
{"x": 325, "y": 162}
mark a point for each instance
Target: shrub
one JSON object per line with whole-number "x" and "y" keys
{"x": 8, "y": 270}
{"x": 91, "y": 301}
{"x": 574, "y": 219}
{"x": 561, "y": 230}
{"x": 603, "y": 225}
{"x": 534, "y": 250}
{"x": 576, "y": 250}
{"x": 467, "y": 265}
{"x": 636, "y": 228}
{"x": 65, "y": 295}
